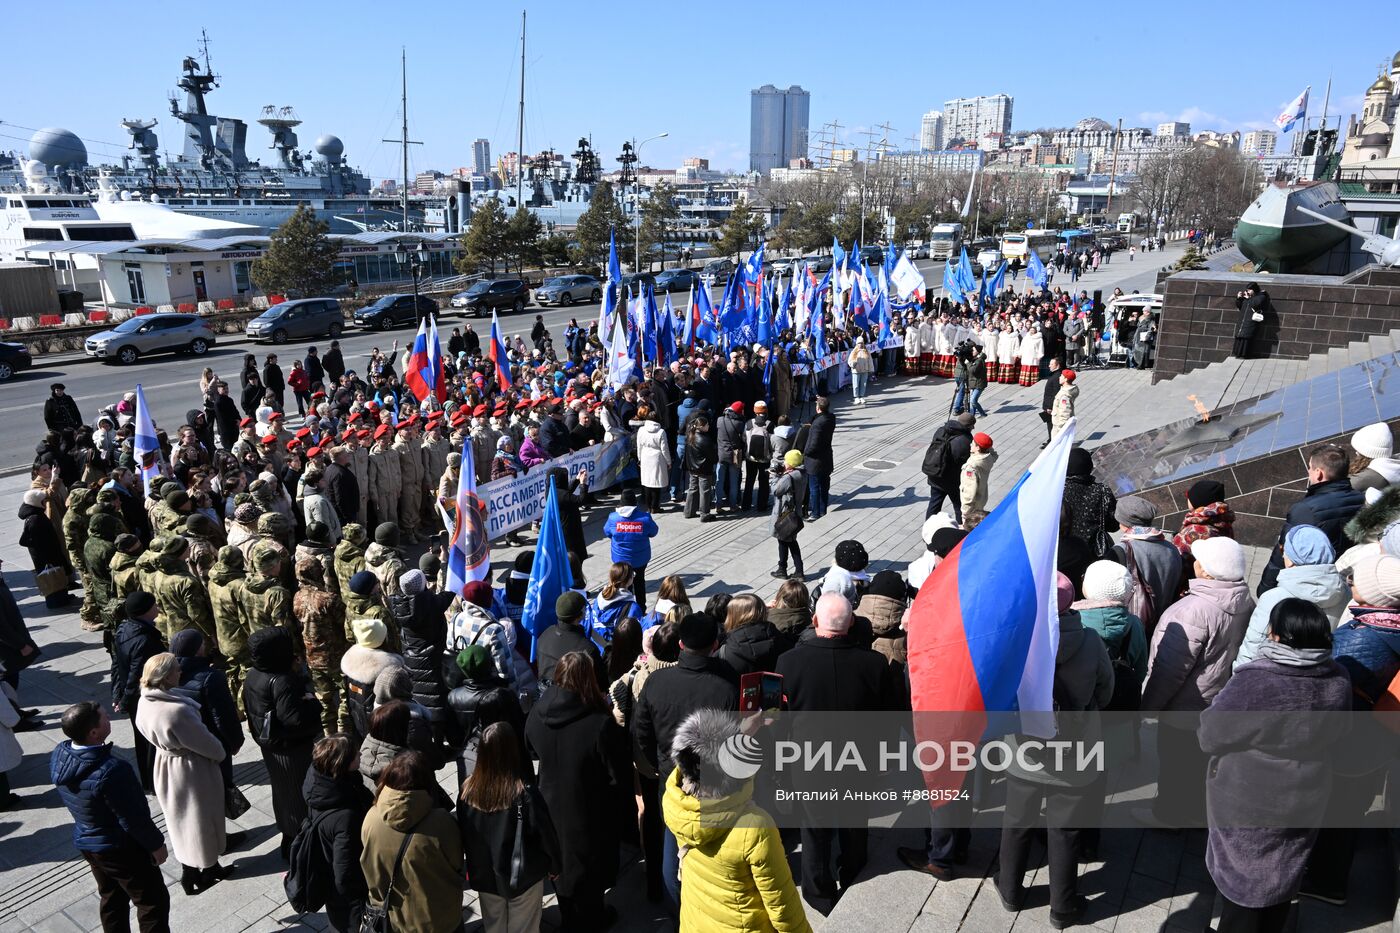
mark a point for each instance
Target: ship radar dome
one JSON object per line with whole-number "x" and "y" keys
{"x": 57, "y": 148}
{"x": 330, "y": 147}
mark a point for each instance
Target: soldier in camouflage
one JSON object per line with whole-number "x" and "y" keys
{"x": 205, "y": 539}
{"x": 349, "y": 555}
{"x": 75, "y": 532}
{"x": 265, "y": 600}
{"x": 317, "y": 547}
{"x": 183, "y": 600}
{"x": 98, "y": 552}
{"x": 321, "y": 617}
{"x": 227, "y": 598}
{"x": 364, "y": 599}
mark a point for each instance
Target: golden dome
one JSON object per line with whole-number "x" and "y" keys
{"x": 1395, "y": 62}
{"x": 1382, "y": 84}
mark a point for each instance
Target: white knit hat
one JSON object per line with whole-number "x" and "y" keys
{"x": 1221, "y": 558}
{"x": 1374, "y": 441}
{"x": 369, "y": 633}
{"x": 1108, "y": 581}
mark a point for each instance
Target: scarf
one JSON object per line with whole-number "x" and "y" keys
{"x": 1280, "y": 653}
{"x": 1377, "y": 617}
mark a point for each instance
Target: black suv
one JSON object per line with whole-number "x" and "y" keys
{"x": 485, "y": 297}
{"x": 392, "y": 310}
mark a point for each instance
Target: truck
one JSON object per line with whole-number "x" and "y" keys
{"x": 945, "y": 240}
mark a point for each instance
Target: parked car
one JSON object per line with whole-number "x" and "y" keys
{"x": 821, "y": 266}
{"x": 14, "y": 357}
{"x": 564, "y": 290}
{"x": 676, "y": 280}
{"x": 717, "y": 271}
{"x": 918, "y": 252}
{"x": 151, "y": 333}
{"x": 497, "y": 294}
{"x": 634, "y": 282}
{"x": 393, "y": 310}
{"x": 782, "y": 267}
{"x": 305, "y": 317}
{"x": 872, "y": 255}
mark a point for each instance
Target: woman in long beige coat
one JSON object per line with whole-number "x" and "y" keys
{"x": 188, "y": 783}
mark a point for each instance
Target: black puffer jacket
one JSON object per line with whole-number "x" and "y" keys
{"x": 133, "y": 645}
{"x": 208, "y": 687}
{"x": 731, "y": 436}
{"x": 272, "y": 686}
{"x": 1329, "y": 506}
{"x": 341, "y": 807}
{"x": 423, "y": 632}
{"x": 754, "y": 647}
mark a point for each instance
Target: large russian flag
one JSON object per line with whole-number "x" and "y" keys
{"x": 984, "y": 629}
{"x": 424, "y": 374}
{"x": 498, "y": 356}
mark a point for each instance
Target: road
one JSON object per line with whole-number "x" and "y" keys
{"x": 171, "y": 385}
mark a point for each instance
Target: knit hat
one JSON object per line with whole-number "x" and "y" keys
{"x": 475, "y": 663}
{"x": 932, "y": 524}
{"x": 1081, "y": 462}
{"x": 1064, "y": 592}
{"x": 1204, "y": 492}
{"x": 387, "y": 535}
{"x": 175, "y": 546}
{"x": 138, "y": 604}
{"x": 850, "y": 555}
{"x": 1220, "y": 558}
{"x": 967, "y": 419}
{"x": 362, "y": 583}
{"x": 393, "y": 683}
{"x": 1375, "y": 581}
{"x": 1134, "y": 511}
{"x": 569, "y": 606}
{"x": 318, "y": 533}
{"x": 412, "y": 582}
{"x": 273, "y": 523}
{"x": 126, "y": 542}
{"x": 982, "y": 440}
{"x": 1374, "y": 441}
{"x": 200, "y": 524}
{"x": 354, "y": 533}
{"x": 177, "y": 498}
{"x": 945, "y": 539}
{"x": 478, "y": 593}
{"x": 793, "y": 459}
{"x": 1308, "y": 544}
{"x": 430, "y": 564}
{"x": 887, "y": 583}
{"x": 247, "y": 513}
{"x": 369, "y": 633}
{"x": 186, "y": 643}
{"x": 1108, "y": 581}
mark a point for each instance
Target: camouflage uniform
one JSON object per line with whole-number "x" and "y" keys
{"x": 274, "y": 531}
{"x": 323, "y": 555}
{"x": 350, "y": 555}
{"x": 126, "y": 579}
{"x": 359, "y": 465}
{"x": 385, "y": 563}
{"x": 385, "y": 478}
{"x": 435, "y": 451}
{"x": 411, "y": 466}
{"x": 266, "y": 601}
{"x": 321, "y": 617}
{"x": 183, "y": 600}
{"x": 371, "y": 607}
{"x": 205, "y": 540}
{"x": 169, "y": 517}
{"x": 226, "y": 598}
{"x": 148, "y": 565}
{"x": 75, "y": 532}
{"x": 98, "y": 552}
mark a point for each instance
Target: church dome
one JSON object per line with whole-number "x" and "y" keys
{"x": 1395, "y": 62}
{"x": 1382, "y": 84}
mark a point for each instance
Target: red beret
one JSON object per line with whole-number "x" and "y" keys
{"x": 435, "y": 415}
{"x": 274, "y": 415}
{"x": 523, "y": 403}
{"x": 304, "y": 433}
{"x": 364, "y": 433}
{"x": 1068, "y": 375}
{"x": 318, "y": 394}
{"x": 982, "y": 439}
{"x": 314, "y": 452}
{"x": 245, "y": 422}
{"x": 478, "y": 411}
{"x": 381, "y": 431}
{"x": 269, "y": 439}
{"x": 293, "y": 444}
{"x": 737, "y": 406}
{"x": 349, "y": 433}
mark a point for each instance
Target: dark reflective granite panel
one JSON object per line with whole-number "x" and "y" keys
{"x": 1301, "y": 414}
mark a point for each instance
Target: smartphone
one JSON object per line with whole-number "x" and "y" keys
{"x": 762, "y": 690}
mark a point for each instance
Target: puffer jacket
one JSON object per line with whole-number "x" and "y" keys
{"x": 1212, "y": 520}
{"x": 1368, "y": 647}
{"x": 423, "y": 633}
{"x": 339, "y": 807}
{"x": 602, "y": 615}
{"x": 474, "y": 625}
{"x": 361, "y": 667}
{"x": 1122, "y": 634}
{"x": 1329, "y": 505}
{"x": 1193, "y": 646}
{"x": 275, "y": 688}
{"x": 104, "y": 796}
{"x": 1319, "y": 584}
{"x": 385, "y": 563}
{"x": 754, "y": 647}
{"x": 737, "y": 878}
{"x": 375, "y": 755}
{"x": 885, "y": 615}
{"x": 730, "y": 436}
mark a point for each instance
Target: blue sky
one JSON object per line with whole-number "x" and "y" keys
{"x": 627, "y": 69}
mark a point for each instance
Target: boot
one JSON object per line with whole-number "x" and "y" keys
{"x": 191, "y": 879}
{"x": 214, "y": 874}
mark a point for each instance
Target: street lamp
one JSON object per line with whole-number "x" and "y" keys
{"x": 414, "y": 259}
{"x": 637, "y": 203}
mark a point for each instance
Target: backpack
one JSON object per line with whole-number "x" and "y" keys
{"x": 308, "y": 879}
{"x": 1141, "y": 599}
{"x": 1127, "y": 693}
{"x": 760, "y": 445}
{"x": 936, "y": 457}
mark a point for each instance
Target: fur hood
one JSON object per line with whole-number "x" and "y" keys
{"x": 699, "y": 749}
{"x": 364, "y": 665}
{"x": 1373, "y": 519}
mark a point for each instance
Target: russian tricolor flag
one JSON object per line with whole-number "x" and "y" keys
{"x": 498, "y": 355}
{"x": 424, "y": 375}
{"x": 984, "y": 629}
{"x": 469, "y": 550}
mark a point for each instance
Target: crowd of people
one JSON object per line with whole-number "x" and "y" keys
{"x": 257, "y": 583}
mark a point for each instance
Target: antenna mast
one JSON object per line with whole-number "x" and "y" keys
{"x": 405, "y": 142}
{"x": 520, "y": 139}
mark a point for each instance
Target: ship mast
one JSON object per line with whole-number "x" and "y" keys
{"x": 404, "y": 140}
{"x": 520, "y": 135}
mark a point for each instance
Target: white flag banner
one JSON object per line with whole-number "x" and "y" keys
{"x": 906, "y": 278}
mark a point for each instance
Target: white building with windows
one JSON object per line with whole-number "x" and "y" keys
{"x": 971, "y": 118}
{"x": 931, "y": 131}
{"x": 1259, "y": 142}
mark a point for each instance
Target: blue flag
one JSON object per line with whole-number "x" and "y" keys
{"x": 891, "y": 257}
{"x": 551, "y": 575}
{"x": 951, "y": 285}
{"x": 732, "y": 314}
{"x": 782, "y": 322}
{"x": 966, "y": 279}
{"x": 838, "y": 255}
{"x": 764, "y": 328}
{"x": 1035, "y": 270}
{"x": 666, "y": 334}
{"x": 998, "y": 281}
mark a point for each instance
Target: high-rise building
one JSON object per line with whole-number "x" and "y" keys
{"x": 931, "y": 131}
{"x": 971, "y": 118}
{"x": 1174, "y": 128}
{"x": 1259, "y": 142}
{"x": 777, "y": 127}
{"x": 481, "y": 156}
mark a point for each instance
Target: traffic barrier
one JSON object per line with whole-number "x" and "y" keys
{"x": 165, "y": 309}
{"x": 259, "y": 303}
{"x": 99, "y": 317}
{"x": 75, "y": 318}
{"x": 275, "y": 299}
{"x": 144, "y": 309}
{"x": 50, "y": 320}
{"x": 185, "y": 307}
{"x": 206, "y": 307}
{"x": 4, "y": 323}
{"x": 24, "y": 323}
{"x": 122, "y": 314}
{"x": 224, "y": 304}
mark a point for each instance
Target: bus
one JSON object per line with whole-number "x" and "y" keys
{"x": 944, "y": 240}
{"x": 1076, "y": 240}
{"x": 1016, "y": 247}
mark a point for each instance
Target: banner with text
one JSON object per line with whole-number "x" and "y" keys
{"x": 518, "y": 501}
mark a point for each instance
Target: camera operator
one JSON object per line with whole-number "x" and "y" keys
{"x": 969, "y": 375}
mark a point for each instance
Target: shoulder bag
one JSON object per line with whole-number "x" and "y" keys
{"x": 376, "y": 919}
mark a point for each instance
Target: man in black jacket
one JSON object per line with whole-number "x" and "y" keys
{"x": 554, "y": 433}
{"x": 566, "y": 635}
{"x": 1047, "y": 401}
{"x": 943, "y": 462}
{"x": 729, "y": 436}
{"x": 60, "y": 411}
{"x": 698, "y": 681}
{"x": 829, "y": 670}
{"x": 1329, "y": 504}
{"x": 818, "y": 458}
{"x": 275, "y": 381}
{"x": 343, "y": 489}
{"x": 224, "y": 412}
{"x": 137, "y": 641}
{"x": 333, "y": 363}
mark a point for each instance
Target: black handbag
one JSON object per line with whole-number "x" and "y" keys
{"x": 235, "y": 803}
{"x": 788, "y": 525}
{"x": 517, "y": 853}
{"x": 376, "y": 919}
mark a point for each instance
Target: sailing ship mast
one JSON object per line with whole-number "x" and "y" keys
{"x": 404, "y": 141}
{"x": 520, "y": 137}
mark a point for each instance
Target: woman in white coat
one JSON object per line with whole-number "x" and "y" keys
{"x": 189, "y": 787}
{"x": 1007, "y": 358}
{"x": 653, "y": 460}
{"x": 1032, "y": 349}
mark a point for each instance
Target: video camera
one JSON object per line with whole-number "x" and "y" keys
{"x": 966, "y": 350}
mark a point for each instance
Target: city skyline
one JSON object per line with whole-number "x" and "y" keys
{"x": 568, "y": 96}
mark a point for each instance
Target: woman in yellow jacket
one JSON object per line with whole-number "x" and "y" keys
{"x": 734, "y": 873}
